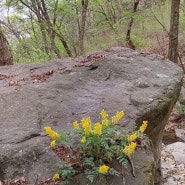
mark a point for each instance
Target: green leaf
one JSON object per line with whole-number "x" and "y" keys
{"x": 90, "y": 175}
{"x": 89, "y": 161}
{"x": 123, "y": 161}
{"x": 65, "y": 170}
{"x": 113, "y": 172}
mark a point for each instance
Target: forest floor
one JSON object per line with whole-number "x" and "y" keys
{"x": 173, "y": 164}
{"x": 159, "y": 45}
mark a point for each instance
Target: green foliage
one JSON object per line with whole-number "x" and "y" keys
{"x": 182, "y": 22}
{"x": 36, "y": 55}
{"x": 66, "y": 171}
{"x": 139, "y": 41}
{"x": 106, "y": 26}
{"x": 65, "y": 139}
{"x": 96, "y": 146}
{"x": 88, "y": 161}
{"x": 113, "y": 172}
{"x": 122, "y": 160}
{"x": 182, "y": 108}
{"x": 91, "y": 175}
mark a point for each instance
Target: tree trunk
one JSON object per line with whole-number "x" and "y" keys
{"x": 82, "y": 26}
{"x": 5, "y": 54}
{"x": 63, "y": 41}
{"x": 128, "y": 33}
{"x": 41, "y": 24}
{"x": 47, "y": 28}
{"x": 50, "y": 31}
{"x": 174, "y": 29}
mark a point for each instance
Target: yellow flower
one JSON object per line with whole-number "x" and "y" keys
{"x": 54, "y": 135}
{"x": 143, "y": 126}
{"x": 83, "y": 140}
{"x": 86, "y": 120}
{"x": 105, "y": 122}
{"x": 97, "y": 129}
{"x": 48, "y": 130}
{"x": 132, "y": 137}
{"x": 86, "y": 124}
{"x": 129, "y": 149}
{"x": 103, "y": 113}
{"x": 56, "y": 176}
{"x": 53, "y": 143}
{"x": 117, "y": 117}
{"x": 103, "y": 169}
{"x": 75, "y": 125}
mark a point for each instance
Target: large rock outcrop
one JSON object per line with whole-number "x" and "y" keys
{"x": 58, "y": 92}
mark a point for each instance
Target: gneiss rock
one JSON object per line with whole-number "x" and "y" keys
{"x": 58, "y": 92}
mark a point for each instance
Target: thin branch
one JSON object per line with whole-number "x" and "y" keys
{"x": 160, "y": 44}
{"x": 29, "y": 7}
{"x": 163, "y": 26}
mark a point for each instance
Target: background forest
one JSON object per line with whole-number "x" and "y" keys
{"x": 41, "y": 30}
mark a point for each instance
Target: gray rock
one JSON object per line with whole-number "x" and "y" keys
{"x": 178, "y": 151}
{"x": 171, "y": 181}
{"x": 173, "y": 163}
{"x": 56, "y": 93}
{"x": 180, "y": 133}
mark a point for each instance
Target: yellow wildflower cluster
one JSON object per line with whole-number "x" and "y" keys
{"x": 86, "y": 124}
{"x": 52, "y": 134}
{"x": 103, "y": 113}
{"x": 103, "y": 169}
{"x": 56, "y": 176}
{"x": 105, "y": 121}
{"x": 98, "y": 136}
{"x": 132, "y": 137}
{"x": 83, "y": 140}
{"x": 143, "y": 126}
{"x": 53, "y": 143}
{"x": 97, "y": 129}
{"x": 117, "y": 117}
{"x": 75, "y": 124}
{"x": 129, "y": 149}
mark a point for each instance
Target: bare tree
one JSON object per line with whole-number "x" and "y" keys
{"x": 47, "y": 25}
{"x": 5, "y": 54}
{"x": 174, "y": 29}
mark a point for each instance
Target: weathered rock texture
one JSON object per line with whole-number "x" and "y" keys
{"x": 56, "y": 93}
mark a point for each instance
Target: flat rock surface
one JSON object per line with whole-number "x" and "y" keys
{"x": 58, "y": 92}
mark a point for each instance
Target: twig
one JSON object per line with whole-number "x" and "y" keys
{"x": 160, "y": 44}
{"x": 163, "y": 26}
{"x": 132, "y": 166}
